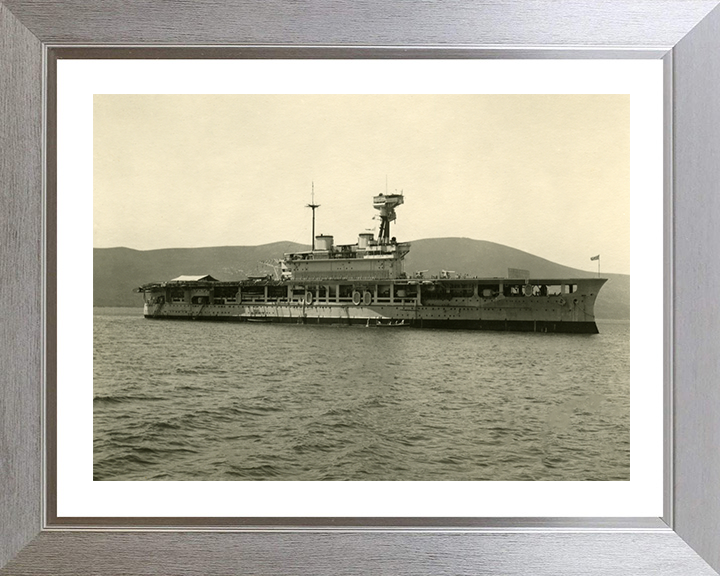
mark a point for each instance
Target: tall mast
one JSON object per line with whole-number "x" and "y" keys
{"x": 313, "y": 206}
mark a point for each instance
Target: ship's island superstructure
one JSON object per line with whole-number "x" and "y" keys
{"x": 365, "y": 283}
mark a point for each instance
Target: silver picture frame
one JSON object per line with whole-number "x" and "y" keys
{"x": 684, "y": 34}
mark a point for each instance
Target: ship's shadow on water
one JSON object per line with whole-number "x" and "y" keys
{"x": 215, "y": 401}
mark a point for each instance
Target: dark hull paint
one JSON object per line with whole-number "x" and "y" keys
{"x": 490, "y": 325}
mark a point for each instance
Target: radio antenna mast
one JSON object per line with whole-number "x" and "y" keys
{"x": 313, "y": 206}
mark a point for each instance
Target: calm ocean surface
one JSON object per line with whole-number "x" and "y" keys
{"x": 184, "y": 400}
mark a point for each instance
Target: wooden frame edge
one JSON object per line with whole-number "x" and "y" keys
{"x": 20, "y": 271}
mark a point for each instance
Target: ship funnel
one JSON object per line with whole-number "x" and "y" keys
{"x": 365, "y": 239}
{"x": 323, "y": 242}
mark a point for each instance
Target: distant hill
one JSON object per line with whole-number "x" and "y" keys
{"x": 117, "y": 271}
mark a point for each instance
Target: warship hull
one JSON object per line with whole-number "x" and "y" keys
{"x": 493, "y": 304}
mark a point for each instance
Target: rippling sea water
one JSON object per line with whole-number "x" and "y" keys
{"x": 199, "y": 400}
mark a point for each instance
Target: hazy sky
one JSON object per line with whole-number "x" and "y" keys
{"x": 548, "y": 174}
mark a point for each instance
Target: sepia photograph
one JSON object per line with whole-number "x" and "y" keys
{"x": 381, "y": 287}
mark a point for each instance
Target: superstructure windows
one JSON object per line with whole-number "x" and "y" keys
{"x": 177, "y": 295}
{"x": 461, "y": 290}
{"x": 384, "y": 291}
{"x": 511, "y": 290}
{"x": 489, "y": 291}
{"x": 542, "y": 290}
{"x": 225, "y": 294}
